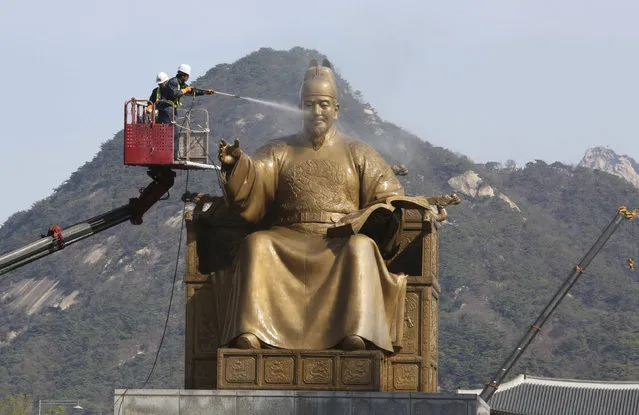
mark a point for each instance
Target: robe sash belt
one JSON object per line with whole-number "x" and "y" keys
{"x": 314, "y": 217}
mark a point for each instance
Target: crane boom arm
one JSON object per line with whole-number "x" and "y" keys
{"x": 57, "y": 238}
{"x": 491, "y": 387}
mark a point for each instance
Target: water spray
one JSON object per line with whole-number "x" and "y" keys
{"x": 227, "y": 94}
{"x": 285, "y": 107}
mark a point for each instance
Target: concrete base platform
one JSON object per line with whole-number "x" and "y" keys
{"x": 263, "y": 402}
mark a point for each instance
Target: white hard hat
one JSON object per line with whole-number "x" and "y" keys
{"x": 184, "y": 68}
{"x": 162, "y": 77}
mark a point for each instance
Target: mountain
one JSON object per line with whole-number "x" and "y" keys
{"x": 89, "y": 319}
{"x": 607, "y": 160}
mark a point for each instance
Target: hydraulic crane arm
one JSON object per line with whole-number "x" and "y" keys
{"x": 491, "y": 387}
{"x": 57, "y": 238}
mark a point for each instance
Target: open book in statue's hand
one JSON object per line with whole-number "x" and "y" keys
{"x": 375, "y": 215}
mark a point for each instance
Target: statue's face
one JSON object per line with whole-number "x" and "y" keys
{"x": 320, "y": 113}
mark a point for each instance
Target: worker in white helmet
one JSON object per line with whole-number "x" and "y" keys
{"x": 177, "y": 87}
{"x": 161, "y": 79}
{"x": 173, "y": 91}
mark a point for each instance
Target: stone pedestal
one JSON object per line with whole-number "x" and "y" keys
{"x": 300, "y": 369}
{"x": 262, "y": 402}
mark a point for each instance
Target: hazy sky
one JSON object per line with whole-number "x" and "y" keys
{"x": 491, "y": 79}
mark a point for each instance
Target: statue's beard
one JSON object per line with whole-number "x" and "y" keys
{"x": 317, "y": 132}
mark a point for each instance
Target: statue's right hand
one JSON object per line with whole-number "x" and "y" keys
{"x": 229, "y": 154}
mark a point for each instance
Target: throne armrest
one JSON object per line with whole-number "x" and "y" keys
{"x": 214, "y": 233}
{"x": 417, "y": 254}
{"x": 417, "y": 241}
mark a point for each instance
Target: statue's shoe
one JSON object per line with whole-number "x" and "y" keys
{"x": 248, "y": 341}
{"x": 353, "y": 343}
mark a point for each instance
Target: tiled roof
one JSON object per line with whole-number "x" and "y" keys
{"x": 531, "y": 395}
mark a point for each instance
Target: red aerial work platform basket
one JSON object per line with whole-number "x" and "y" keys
{"x": 147, "y": 143}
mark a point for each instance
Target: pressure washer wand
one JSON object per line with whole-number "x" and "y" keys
{"x": 227, "y": 94}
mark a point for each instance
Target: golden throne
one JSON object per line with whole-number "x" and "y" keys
{"x": 213, "y": 234}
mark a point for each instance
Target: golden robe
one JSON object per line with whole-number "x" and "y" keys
{"x": 293, "y": 287}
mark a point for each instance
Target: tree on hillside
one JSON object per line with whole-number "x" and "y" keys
{"x": 17, "y": 404}
{"x": 56, "y": 410}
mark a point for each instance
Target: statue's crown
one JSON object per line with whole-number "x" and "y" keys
{"x": 319, "y": 80}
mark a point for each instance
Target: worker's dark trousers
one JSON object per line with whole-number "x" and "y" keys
{"x": 176, "y": 142}
{"x": 163, "y": 118}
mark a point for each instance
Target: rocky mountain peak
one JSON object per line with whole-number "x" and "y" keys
{"x": 605, "y": 159}
{"x": 471, "y": 184}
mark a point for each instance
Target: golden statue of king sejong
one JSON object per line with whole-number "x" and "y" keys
{"x": 294, "y": 287}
